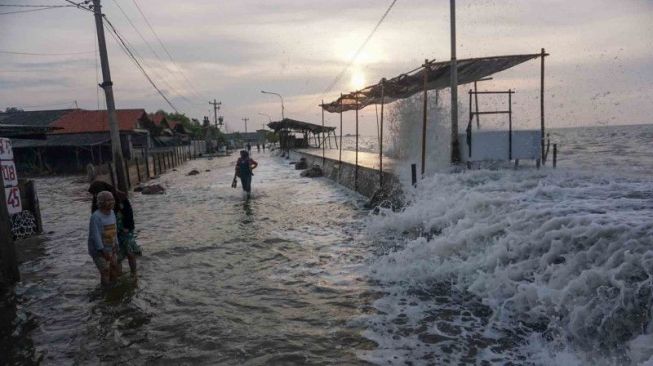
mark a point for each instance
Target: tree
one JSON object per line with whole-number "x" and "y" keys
{"x": 13, "y": 110}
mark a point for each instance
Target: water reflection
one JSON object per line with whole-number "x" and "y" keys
{"x": 223, "y": 279}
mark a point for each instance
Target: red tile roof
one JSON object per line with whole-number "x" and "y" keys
{"x": 158, "y": 118}
{"x": 82, "y": 121}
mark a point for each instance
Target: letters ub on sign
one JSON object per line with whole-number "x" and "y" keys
{"x": 10, "y": 177}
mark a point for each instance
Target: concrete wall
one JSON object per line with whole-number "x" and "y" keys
{"x": 345, "y": 174}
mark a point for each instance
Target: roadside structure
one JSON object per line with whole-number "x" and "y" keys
{"x": 80, "y": 137}
{"x": 297, "y": 134}
{"x": 434, "y": 75}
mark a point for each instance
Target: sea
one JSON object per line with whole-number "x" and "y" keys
{"x": 489, "y": 266}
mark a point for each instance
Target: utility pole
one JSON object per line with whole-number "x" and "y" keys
{"x": 116, "y": 147}
{"x": 8, "y": 264}
{"x": 216, "y": 107}
{"x": 245, "y": 119}
{"x": 453, "y": 69}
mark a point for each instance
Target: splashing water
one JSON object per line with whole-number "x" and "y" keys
{"x": 526, "y": 266}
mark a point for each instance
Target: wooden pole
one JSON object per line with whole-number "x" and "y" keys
{"x": 425, "y": 115}
{"x": 509, "y": 124}
{"x": 147, "y": 165}
{"x": 138, "y": 170}
{"x": 455, "y": 144}
{"x": 381, "y": 135}
{"x": 356, "y": 171}
{"x": 323, "y": 144}
{"x": 340, "y": 153}
{"x": 555, "y": 155}
{"x": 542, "y": 103}
{"x": 413, "y": 174}
{"x": 469, "y": 126}
{"x": 7, "y": 247}
{"x": 128, "y": 179}
{"x": 478, "y": 122}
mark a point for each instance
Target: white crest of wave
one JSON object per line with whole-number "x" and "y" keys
{"x": 572, "y": 251}
{"x": 569, "y": 250}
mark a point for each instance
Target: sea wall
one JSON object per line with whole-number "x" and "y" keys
{"x": 368, "y": 182}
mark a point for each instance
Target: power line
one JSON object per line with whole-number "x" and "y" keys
{"x": 32, "y": 10}
{"x": 165, "y": 49}
{"x": 360, "y": 49}
{"x": 153, "y": 51}
{"x": 126, "y": 49}
{"x": 44, "y": 54}
{"x": 35, "y": 6}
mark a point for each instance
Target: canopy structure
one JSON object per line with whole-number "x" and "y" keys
{"x": 299, "y": 126}
{"x": 438, "y": 77}
{"x": 287, "y": 126}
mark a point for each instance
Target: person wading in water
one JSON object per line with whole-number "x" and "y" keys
{"x": 244, "y": 167}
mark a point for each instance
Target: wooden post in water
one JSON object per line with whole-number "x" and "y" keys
{"x": 356, "y": 171}
{"x": 425, "y": 114}
{"x": 509, "y": 124}
{"x": 138, "y": 169}
{"x": 478, "y": 121}
{"x": 147, "y": 165}
{"x": 413, "y": 174}
{"x": 453, "y": 70}
{"x": 542, "y": 104}
{"x": 323, "y": 144}
{"x": 127, "y": 177}
{"x": 555, "y": 155}
{"x": 381, "y": 135}
{"x": 33, "y": 202}
{"x": 340, "y": 152}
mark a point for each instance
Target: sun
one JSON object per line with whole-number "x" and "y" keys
{"x": 357, "y": 80}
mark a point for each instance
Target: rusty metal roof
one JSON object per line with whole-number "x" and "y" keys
{"x": 438, "y": 77}
{"x": 292, "y": 124}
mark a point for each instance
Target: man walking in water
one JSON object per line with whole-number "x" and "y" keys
{"x": 244, "y": 167}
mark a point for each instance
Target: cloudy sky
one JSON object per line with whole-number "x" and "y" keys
{"x": 600, "y": 70}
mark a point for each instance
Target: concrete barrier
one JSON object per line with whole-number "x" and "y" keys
{"x": 345, "y": 173}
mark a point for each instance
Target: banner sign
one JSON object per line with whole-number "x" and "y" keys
{"x": 6, "y": 152}
{"x": 10, "y": 177}
{"x": 9, "y": 173}
{"x": 13, "y": 200}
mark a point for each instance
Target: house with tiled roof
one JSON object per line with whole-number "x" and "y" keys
{"x": 81, "y": 137}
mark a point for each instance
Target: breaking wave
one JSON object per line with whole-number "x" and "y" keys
{"x": 522, "y": 266}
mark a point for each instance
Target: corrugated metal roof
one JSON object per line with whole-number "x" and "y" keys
{"x": 24, "y": 132}
{"x": 82, "y": 121}
{"x": 57, "y": 140}
{"x": 299, "y": 125}
{"x": 33, "y": 118}
{"x": 438, "y": 77}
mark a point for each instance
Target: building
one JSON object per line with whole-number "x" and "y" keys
{"x": 79, "y": 137}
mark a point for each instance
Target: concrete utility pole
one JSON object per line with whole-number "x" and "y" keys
{"x": 455, "y": 144}
{"x": 216, "y": 107}
{"x": 107, "y": 85}
{"x": 8, "y": 264}
{"x": 245, "y": 119}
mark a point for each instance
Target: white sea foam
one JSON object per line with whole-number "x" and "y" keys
{"x": 531, "y": 267}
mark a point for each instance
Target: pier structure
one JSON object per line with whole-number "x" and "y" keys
{"x": 434, "y": 75}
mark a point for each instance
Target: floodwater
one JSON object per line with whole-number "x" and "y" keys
{"x": 223, "y": 279}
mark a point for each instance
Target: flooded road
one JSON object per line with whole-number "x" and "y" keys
{"x": 275, "y": 279}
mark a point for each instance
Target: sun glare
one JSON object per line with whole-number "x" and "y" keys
{"x": 357, "y": 80}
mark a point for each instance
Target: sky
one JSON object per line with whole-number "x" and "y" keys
{"x": 599, "y": 72}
